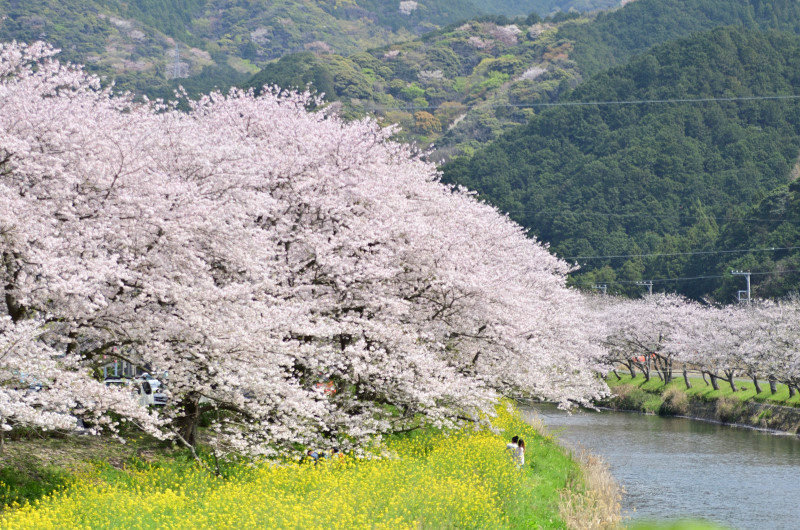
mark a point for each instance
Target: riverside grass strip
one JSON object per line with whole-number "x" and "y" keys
{"x": 424, "y": 479}
{"x": 701, "y": 390}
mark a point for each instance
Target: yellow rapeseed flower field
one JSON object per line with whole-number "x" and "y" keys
{"x": 461, "y": 479}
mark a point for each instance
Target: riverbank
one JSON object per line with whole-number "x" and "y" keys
{"x": 421, "y": 479}
{"x": 746, "y": 407}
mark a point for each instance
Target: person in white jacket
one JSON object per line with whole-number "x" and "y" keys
{"x": 520, "y": 456}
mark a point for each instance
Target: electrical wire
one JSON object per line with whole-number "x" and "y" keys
{"x": 686, "y": 278}
{"x": 678, "y": 217}
{"x": 595, "y": 103}
{"x": 666, "y": 254}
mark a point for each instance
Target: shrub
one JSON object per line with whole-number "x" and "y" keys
{"x": 675, "y": 403}
{"x": 629, "y": 397}
{"x": 652, "y": 404}
{"x": 729, "y": 409}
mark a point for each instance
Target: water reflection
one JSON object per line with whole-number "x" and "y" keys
{"x": 675, "y": 468}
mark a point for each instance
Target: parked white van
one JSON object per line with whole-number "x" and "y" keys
{"x": 147, "y": 391}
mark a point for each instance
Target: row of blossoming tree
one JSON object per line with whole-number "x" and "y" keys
{"x": 301, "y": 280}
{"x": 760, "y": 340}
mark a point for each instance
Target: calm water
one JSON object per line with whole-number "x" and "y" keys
{"x": 673, "y": 468}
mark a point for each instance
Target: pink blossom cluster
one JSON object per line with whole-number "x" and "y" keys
{"x": 298, "y": 278}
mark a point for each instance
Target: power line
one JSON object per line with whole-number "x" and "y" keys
{"x": 666, "y": 254}
{"x": 688, "y": 278}
{"x": 594, "y": 103}
{"x": 677, "y": 216}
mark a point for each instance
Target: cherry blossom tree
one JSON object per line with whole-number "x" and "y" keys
{"x": 712, "y": 341}
{"x": 644, "y": 332}
{"x": 300, "y": 279}
{"x": 774, "y": 342}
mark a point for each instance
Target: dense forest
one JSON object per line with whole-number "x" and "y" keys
{"x": 615, "y": 36}
{"x": 625, "y": 180}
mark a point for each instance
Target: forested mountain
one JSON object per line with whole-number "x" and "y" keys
{"x": 543, "y": 8}
{"x": 615, "y": 36}
{"x": 497, "y": 85}
{"x": 219, "y": 42}
{"x": 773, "y": 223}
{"x": 459, "y": 86}
{"x": 625, "y": 180}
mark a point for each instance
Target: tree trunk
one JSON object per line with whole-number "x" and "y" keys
{"x": 188, "y": 422}
{"x": 729, "y": 375}
{"x": 616, "y": 374}
{"x": 714, "y": 383}
{"x": 773, "y": 385}
{"x": 686, "y": 379}
{"x": 792, "y": 391}
{"x": 633, "y": 370}
{"x": 755, "y": 384}
{"x": 704, "y": 378}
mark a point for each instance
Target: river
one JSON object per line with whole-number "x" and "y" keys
{"x": 675, "y": 468}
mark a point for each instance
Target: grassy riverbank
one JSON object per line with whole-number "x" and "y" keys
{"x": 424, "y": 479}
{"x": 744, "y": 407}
{"x": 702, "y": 391}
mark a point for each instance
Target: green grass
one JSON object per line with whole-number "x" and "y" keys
{"x": 28, "y": 481}
{"x": 705, "y": 392}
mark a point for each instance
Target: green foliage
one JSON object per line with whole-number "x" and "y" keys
{"x": 172, "y": 17}
{"x": 296, "y": 71}
{"x": 133, "y": 41}
{"x": 630, "y": 397}
{"x": 481, "y": 64}
{"x": 765, "y": 414}
{"x": 702, "y": 391}
{"x": 779, "y": 212}
{"x": 513, "y": 8}
{"x": 27, "y": 481}
{"x": 615, "y": 36}
{"x": 624, "y": 180}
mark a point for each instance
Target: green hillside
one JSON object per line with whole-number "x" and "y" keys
{"x": 615, "y": 36}
{"x": 219, "y": 42}
{"x": 476, "y": 101}
{"x": 624, "y": 180}
{"x": 773, "y": 223}
{"x": 458, "y": 87}
{"x": 543, "y": 8}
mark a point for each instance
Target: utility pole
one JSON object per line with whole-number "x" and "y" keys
{"x": 747, "y": 277}
{"x": 601, "y": 286}
{"x": 648, "y": 284}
